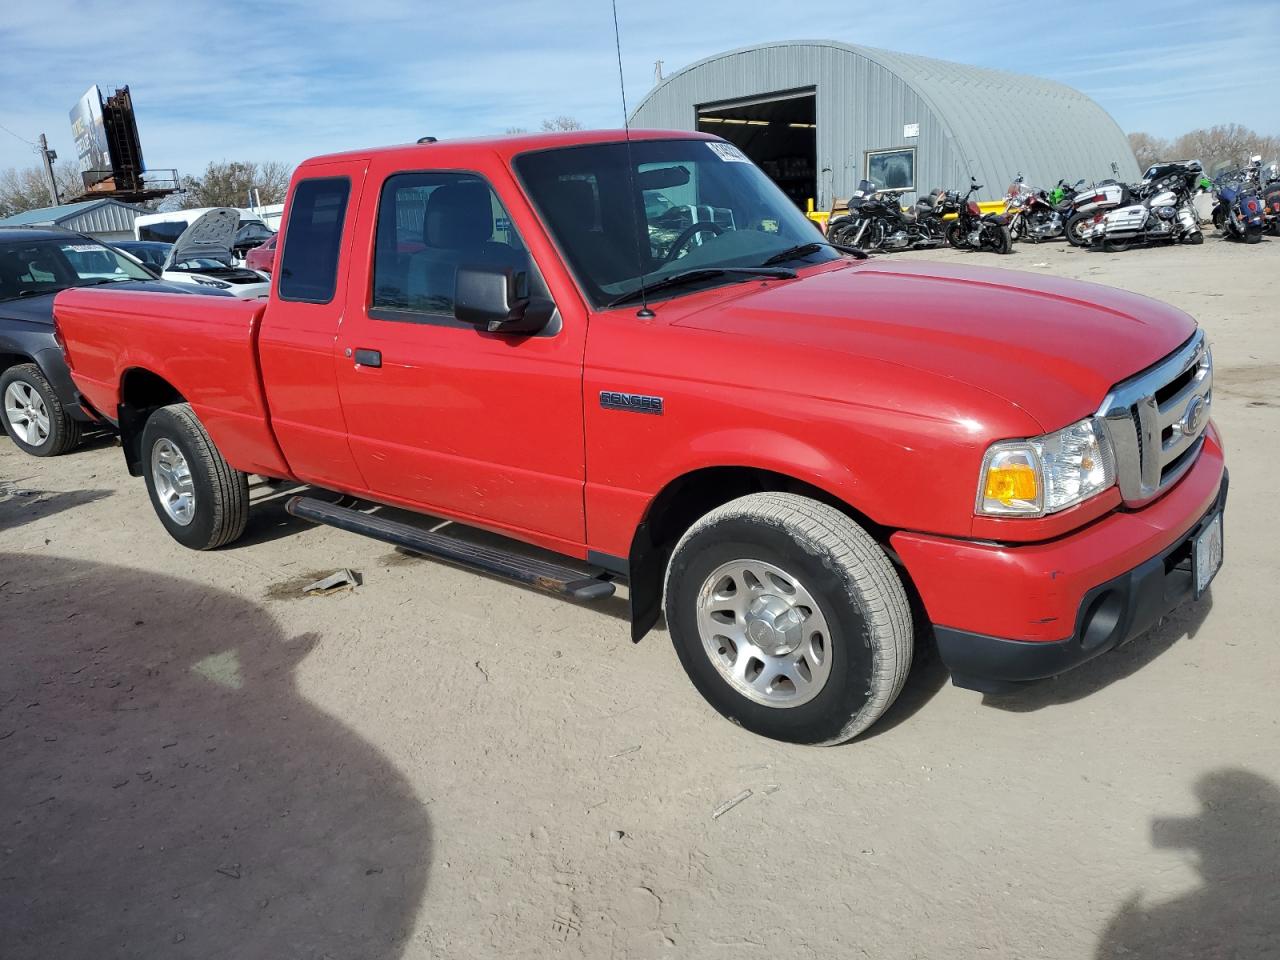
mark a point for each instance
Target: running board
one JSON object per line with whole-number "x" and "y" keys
{"x": 551, "y": 577}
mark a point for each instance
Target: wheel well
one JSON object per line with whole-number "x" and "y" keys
{"x": 141, "y": 394}
{"x": 681, "y": 503}
{"x": 8, "y": 360}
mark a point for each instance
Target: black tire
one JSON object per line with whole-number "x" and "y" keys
{"x": 1074, "y": 226}
{"x": 1219, "y": 220}
{"x": 1253, "y": 236}
{"x": 852, "y": 583}
{"x": 64, "y": 433}
{"x": 956, "y": 236}
{"x": 1196, "y": 238}
{"x": 221, "y": 493}
{"x": 999, "y": 238}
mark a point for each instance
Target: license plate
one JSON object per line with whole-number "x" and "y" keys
{"x": 1207, "y": 553}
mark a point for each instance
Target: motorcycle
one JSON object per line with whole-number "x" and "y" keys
{"x": 973, "y": 230}
{"x": 1087, "y": 204}
{"x": 876, "y": 221}
{"x": 1165, "y": 213}
{"x": 1037, "y": 215}
{"x": 1240, "y": 211}
{"x": 1271, "y": 198}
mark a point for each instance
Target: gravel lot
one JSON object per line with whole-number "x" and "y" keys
{"x": 198, "y": 762}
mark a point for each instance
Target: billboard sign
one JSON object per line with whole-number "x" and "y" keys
{"x": 90, "y": 133}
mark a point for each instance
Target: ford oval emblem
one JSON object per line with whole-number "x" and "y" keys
{"x": 1193, "y": 419}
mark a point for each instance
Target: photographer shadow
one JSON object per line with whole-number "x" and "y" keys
{"x": 169, "y": 792}
{"x": 1235, "y": 912}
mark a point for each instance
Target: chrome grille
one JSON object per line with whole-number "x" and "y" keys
{"x": 1156, "y": 420}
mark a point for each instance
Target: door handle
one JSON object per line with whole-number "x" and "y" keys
{"x": 368, "y": 358}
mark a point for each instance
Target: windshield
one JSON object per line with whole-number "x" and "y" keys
{"x": 681, "y": 205}
{"x": 34, "y": 267}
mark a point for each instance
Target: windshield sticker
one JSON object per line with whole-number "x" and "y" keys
{"x": 727, "y": 152}
{"x": 82, "y": 247}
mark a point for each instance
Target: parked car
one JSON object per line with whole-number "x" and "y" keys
{"x": 263, "y": 257}
{"x": 151, "y": 253}
{"x": 250, "y": 235}
{"x": 39, "y": 406}
{"x": 795, "y": 446}
{"x": 203, "y": 255}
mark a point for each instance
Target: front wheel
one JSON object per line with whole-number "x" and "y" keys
{"x": 789, "y": 618}
{"x": 956, "y": 235}
{"x": 33, "y": 415}
{"x": 200, "y": 498}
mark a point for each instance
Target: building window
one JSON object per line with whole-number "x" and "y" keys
{"x": 892, "y": 169}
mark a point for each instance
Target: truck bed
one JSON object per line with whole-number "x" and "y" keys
{"x": 204, "y": 347}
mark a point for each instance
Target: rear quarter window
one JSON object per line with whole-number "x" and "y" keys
{"x": 313, "y": 239}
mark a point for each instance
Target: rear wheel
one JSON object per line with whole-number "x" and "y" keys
{"x": 1253, "y": 235}
{"x": 789, "y": 618}
{"x": 1076, "y": 227}
{"x": 998, "y": 238}
{"x": 33, "y": 415}
{"x": 200, "y": 498}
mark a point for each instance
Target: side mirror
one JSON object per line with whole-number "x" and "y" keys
{"x": 497, "y": 300}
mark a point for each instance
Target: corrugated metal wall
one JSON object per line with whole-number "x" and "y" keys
{"x": 108, "y": 221}
{"x": 987, "y": 123}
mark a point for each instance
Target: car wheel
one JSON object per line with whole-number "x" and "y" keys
{"x": 200, "y": 498}
{"x": 33, "y": 415}
{"x": 789, "y": 618}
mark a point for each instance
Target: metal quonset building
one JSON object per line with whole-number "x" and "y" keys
{"x": 819, "y": 116}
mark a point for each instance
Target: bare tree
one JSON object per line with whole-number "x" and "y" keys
{"x": 1148, "y": 149}
{"x": 561, "y": 123}
{"x": 1224, "y": 147}
{"x": 25, "y": 189}
{"x": 230, "y": 184}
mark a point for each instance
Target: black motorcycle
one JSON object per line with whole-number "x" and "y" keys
{"x": 972, "y": 229}
{"x": 876, "y": 221}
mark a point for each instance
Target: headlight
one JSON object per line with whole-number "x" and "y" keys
{"x": 221, "y": 285}
{"x": 1031, "y": 478}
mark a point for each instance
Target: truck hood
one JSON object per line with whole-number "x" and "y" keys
{"x": 211, "y": 235}
{"x": 1053, "y": 347}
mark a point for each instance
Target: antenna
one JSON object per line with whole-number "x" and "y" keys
{"x": 644, "y": 312}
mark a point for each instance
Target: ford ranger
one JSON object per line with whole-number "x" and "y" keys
{"x": 639, "y": 355}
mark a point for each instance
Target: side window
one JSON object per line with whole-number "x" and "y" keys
{"x": 313, "y": 238}
{"x": 430, "y": 224}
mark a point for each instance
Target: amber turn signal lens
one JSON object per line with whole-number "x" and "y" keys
{"x": 1011, "y": 481}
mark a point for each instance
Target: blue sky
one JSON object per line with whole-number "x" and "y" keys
{"x": 284, "y": 79}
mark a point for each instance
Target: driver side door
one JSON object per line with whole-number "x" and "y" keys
{"x": 441, "y": 416}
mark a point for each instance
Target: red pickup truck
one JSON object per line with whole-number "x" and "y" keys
{"x": 641, "y": 356}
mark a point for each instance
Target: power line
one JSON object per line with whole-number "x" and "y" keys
{"x": 18, "y": 136}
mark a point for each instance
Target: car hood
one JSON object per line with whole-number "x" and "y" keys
{"x": 211, "y": 235}
{"x": 1053, "y": 347}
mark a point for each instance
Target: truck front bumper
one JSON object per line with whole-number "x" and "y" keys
{"x": 1005, "y": 614}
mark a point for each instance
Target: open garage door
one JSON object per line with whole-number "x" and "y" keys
{"x": 778, "y": 131}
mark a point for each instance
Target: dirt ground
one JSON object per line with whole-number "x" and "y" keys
{"x": 195, "y": 761}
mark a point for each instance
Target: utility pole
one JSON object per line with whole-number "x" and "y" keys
{"x": 47, "y": 157}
